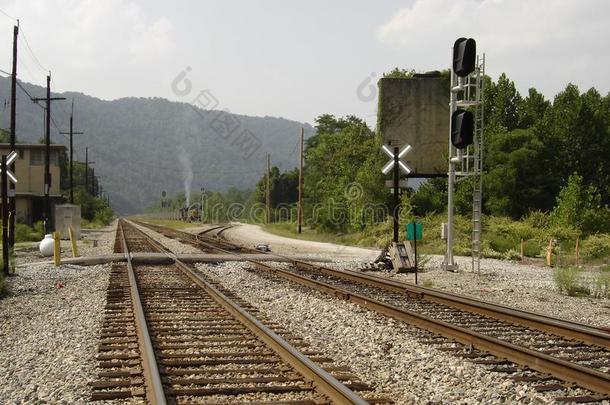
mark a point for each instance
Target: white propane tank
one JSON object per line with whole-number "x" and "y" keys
{"x": 46, "y": 245}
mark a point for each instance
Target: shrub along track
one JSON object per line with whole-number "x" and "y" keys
{"x": 509, "y": 340}
{"x": 171, "y": 336}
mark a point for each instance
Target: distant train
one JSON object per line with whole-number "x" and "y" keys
{"x": 190, "y": 215}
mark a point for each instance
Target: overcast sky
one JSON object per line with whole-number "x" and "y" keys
{"x": 298, "y": 60}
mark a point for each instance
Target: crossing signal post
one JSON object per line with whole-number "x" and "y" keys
{"x": 396, "y": 165}
{"x": 6, "y": 176}
{"x": 465, "y": 138}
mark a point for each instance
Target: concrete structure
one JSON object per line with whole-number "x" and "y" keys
{"x": 29, "y": 169}
{"x": 66, "y": 216}
{"x": 415, "y": 111}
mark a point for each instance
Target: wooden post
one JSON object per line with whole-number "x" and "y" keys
{"x": 73, "y": 242}
{"x": 300, "y": 204}
{"x": 549, "y": 254}
{"x": 577, "y": 249}
{"x": 56, "y": 249}
{"x": 522, "y": 250}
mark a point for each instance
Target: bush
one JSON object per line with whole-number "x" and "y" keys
{"x": 501, "y": 243}
{"x": 24, "y": 233}
{"x": 531, "y": 248}
{"x": 568, "y": 281}
{"x": 596, "y": 247}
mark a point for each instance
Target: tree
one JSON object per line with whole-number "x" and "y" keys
{"x": 579, "y": 207}
{"x": 516, "y": 181}
{"x": 502, "y": 104}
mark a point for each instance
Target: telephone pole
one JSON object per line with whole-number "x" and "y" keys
{"x": 49, "y": 226}
{"x": 87, "y": 169}
{"x": 268, "y": 188}
{"x": 12, "y": 191}
{"x": 93, "y": 181}
{"x": 300, "y": 204}
{"x": 71, "y": 153}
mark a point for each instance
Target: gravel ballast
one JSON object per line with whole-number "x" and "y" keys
{"x": 524, "y": 286}
{"x": 49, "y": 327}
{"x": 384, "y": 352}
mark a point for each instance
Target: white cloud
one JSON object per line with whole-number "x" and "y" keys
{"x": 86, "y": 39}
{"x": 544, "y": 44}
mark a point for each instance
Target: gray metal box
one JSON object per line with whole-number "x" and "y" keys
{"x": 67, "y": 215}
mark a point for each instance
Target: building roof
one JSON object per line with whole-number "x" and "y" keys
{"x": 55, "y": 146}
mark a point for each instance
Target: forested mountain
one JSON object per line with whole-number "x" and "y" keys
{"x": 142, "y": 146}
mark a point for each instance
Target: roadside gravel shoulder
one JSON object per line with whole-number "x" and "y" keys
{"x": 50, "y": 322}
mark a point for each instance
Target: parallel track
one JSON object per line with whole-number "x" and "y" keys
{"x": 567, "y": 351}
{"x": 184, "y": 340}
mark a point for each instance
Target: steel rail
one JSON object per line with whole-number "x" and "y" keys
{"x": 586, "y": 377}
{"x": 325, "y": 383}
{"x": 152, "y": 379}
{"x": 572, "y": 330}
{"x": 560, "y": 327}
{"x": 564, "y": 370}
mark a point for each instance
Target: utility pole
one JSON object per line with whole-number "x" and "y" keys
{"x": 93, "y": 181}
{"x": 72, "y": 153}
{"x": 5, "y": 251}
{"x": 268, "y": 199}
{"x": 11, "y": 202}
{"x": 49, "y": 226}
{"x": 86, "y": 169}
{"x": 300, "y": 204}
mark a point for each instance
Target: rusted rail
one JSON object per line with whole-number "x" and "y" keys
{"x": 323, "y": 382}
{"x": 589, "y": 338}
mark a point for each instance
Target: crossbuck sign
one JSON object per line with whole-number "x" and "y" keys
{"x": 402, "y": 152}
{"x": 10, "y": 158}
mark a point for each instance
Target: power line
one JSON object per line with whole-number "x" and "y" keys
{"x": 8, "y": 15}
{"x": 27, "y": 44}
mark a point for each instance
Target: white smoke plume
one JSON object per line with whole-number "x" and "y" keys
{"x": 187, "y": 173}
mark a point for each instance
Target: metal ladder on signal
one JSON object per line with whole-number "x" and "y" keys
{"x": 477, "y": 170}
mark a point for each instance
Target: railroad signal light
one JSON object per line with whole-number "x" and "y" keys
{"x": 462, "y": 128}
{"x": 464, "y": 56}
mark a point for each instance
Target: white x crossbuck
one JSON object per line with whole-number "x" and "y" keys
{"x": 402, "y": 152}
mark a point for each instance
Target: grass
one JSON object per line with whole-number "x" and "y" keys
{"x": 569, "y": 281}
{"x": 602, "y": 282}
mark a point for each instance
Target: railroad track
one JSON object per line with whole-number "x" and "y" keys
{"x": 513, "y": 341}
{"x": 173, "y": 336}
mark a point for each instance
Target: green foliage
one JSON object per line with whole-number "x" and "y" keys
{"x": 430, "y": 197}
{"x": 596, "y": 247}
{"x": 579, "y": 206}
{"x": 515, "y": 171}
{"x": 92, "y": 208}
{"x": 344, "y": 189}
{"x": 24, "y": 233}
{"x": 569, "y": 281}
{"x": 398, "y": 73}
{"x": 532, "y": 248}
{"x": 5, "y": 137}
